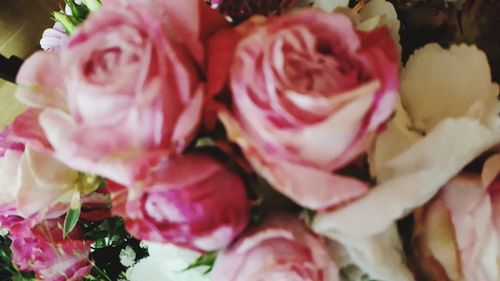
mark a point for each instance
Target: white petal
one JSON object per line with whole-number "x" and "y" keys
{"x": 9, "y": 186}
{"x": 395, "y": 140}
{"x": 381, "y": 256}
{"x": 438, "y": 83}
{"x": 377, "y": 13}
{"x": 330, "y": 5}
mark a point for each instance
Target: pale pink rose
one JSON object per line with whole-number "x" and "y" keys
{"x": 310, "y": 93}
{"x": 192, "y": 201}
{"x": 127, "y": 82}
{"x": 458, "y": 233}
{"x": 40, "y": 247}
{"x": 281, "y": 249}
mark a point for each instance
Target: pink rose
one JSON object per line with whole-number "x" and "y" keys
{"x": 40, "y": 247}
{"x": 280, "y": 249}
{"x": 457, "y": 234}
{"x": 128, "y": 82}
{"x": 192, "y": 201}
{"x": 309, "y": 94}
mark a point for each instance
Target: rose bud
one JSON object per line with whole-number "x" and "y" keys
{"x": 40, "y": 247}
{"x": 309, "y": 93}
{"x": 457, "y": 234}
{"x": 280, "y": 249}
{"x": 192, "y": 201}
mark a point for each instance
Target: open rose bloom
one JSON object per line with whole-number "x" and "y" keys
{"x": 310, "y": 93}
{"x": 130, "y": 85}
{"x": 256, "y": 140}
{"x": 280, "y": 249}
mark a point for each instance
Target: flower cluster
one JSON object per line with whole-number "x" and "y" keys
{"x": 283, "y": 144}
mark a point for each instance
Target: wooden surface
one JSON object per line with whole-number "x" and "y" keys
{"x": 21, "y": 25}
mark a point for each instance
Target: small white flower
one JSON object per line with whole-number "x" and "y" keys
{"x": 143, "y": 245}
{"x": 127, "y": 257}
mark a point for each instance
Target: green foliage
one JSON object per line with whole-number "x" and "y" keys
{"x": 78, "y": 14}
{"x": 206, "y": 260}
{"x": 110, "y": 239}
{"x": 71, "y": 219}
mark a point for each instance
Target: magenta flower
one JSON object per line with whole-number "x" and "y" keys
{"x": 40, "y": 247}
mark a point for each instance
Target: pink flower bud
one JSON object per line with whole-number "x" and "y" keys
{"x": 192, "y": 201}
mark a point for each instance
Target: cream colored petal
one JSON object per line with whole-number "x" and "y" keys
{"x": 491, "y": 169}
{"x": 9, "y": 185}
{"x": 36, "y": 195}
{"x": 49, "y": 171}
{"x": 441, "y": 240}
{"x": 378, "y": 13}
{"x": 392, "y": 142}
{"x": 438, "y": 83}
{"x": 330, "y": 5}
{"x": 380, "y": 256}
{"x": 417, "y": 174}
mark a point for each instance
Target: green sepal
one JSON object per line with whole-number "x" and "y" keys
{"x": 207, "y": 259}
{"x": 72, "y": 215}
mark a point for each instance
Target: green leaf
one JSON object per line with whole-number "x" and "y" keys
{"x": 71, "y": 219}
{"x": 207, "y": 259}
{"x": 92, "y": 4}
{"x": 66, "y": 22}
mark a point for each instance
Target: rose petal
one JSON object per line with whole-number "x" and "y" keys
{"x": 188, "y": 121}
{"x": 381, "y": 256}
{"x": 26, "y": 129}
{"x": 330, "y": 5}
{"x": 417, "y": 174}
{"x": 68, "y": 141}
{"x": 39, "y": 82}
{"x": 396, "y": 139}
{"x": 41, "y": 192}
{"x": 491, "y": 169}
{"x": 9, "y": 186}
{"x": 438, "y": 83}
{"x": 441, "y": 239}
{"x": 377, "y": 13}
{"x": 323, "y": 188}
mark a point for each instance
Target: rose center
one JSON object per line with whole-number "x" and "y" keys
{"x": 324, "y": 71}
{"x": 105, "y": 64}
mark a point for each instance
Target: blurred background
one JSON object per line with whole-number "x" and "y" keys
{"x": 22, "y": 23}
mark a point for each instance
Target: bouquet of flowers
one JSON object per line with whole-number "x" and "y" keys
{"x": 254, "y": 140}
